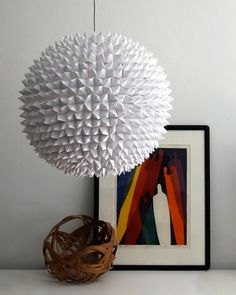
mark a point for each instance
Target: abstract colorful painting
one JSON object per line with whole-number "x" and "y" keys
{"x": 161, "y": 209}
{"x": 152, "y": 201}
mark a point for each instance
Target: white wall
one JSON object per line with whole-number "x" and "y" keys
{"x": 33, "y": 195}
{"x": 195, "y": 41}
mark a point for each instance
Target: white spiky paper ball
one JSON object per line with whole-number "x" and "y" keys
{"x": 95, "y": 105}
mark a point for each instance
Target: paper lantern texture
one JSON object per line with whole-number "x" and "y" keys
{"x": 95, "y": 105}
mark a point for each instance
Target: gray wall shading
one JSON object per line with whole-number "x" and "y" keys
{"x": 195, "y": 41}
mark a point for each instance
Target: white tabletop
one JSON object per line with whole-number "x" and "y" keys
{"x": 39, "y": 282}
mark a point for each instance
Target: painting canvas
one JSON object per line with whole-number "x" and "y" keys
{"x": 152, "y": 201}
{"x": 160, "y": 209}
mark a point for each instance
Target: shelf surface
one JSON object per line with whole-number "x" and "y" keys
{"x": 39, "y": 282}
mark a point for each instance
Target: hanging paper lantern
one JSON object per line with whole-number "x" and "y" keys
{"x": 95, "y": 105}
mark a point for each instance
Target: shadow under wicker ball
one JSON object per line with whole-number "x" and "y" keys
{"x": 83, "y": 254}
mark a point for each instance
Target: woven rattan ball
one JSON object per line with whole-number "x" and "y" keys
{"x": 83, "y": 254}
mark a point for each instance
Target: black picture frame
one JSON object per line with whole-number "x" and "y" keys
{"x": 206, "y": 265}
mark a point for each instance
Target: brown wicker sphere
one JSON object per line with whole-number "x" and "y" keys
{"x": 83, "y": 254}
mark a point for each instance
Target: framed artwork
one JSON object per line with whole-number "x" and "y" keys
{"x": 161, "y": 209}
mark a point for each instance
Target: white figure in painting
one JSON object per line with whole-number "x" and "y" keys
{"x": 162, "y": 217}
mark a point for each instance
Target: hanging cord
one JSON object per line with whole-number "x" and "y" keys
{"x": 94, "y": 15}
